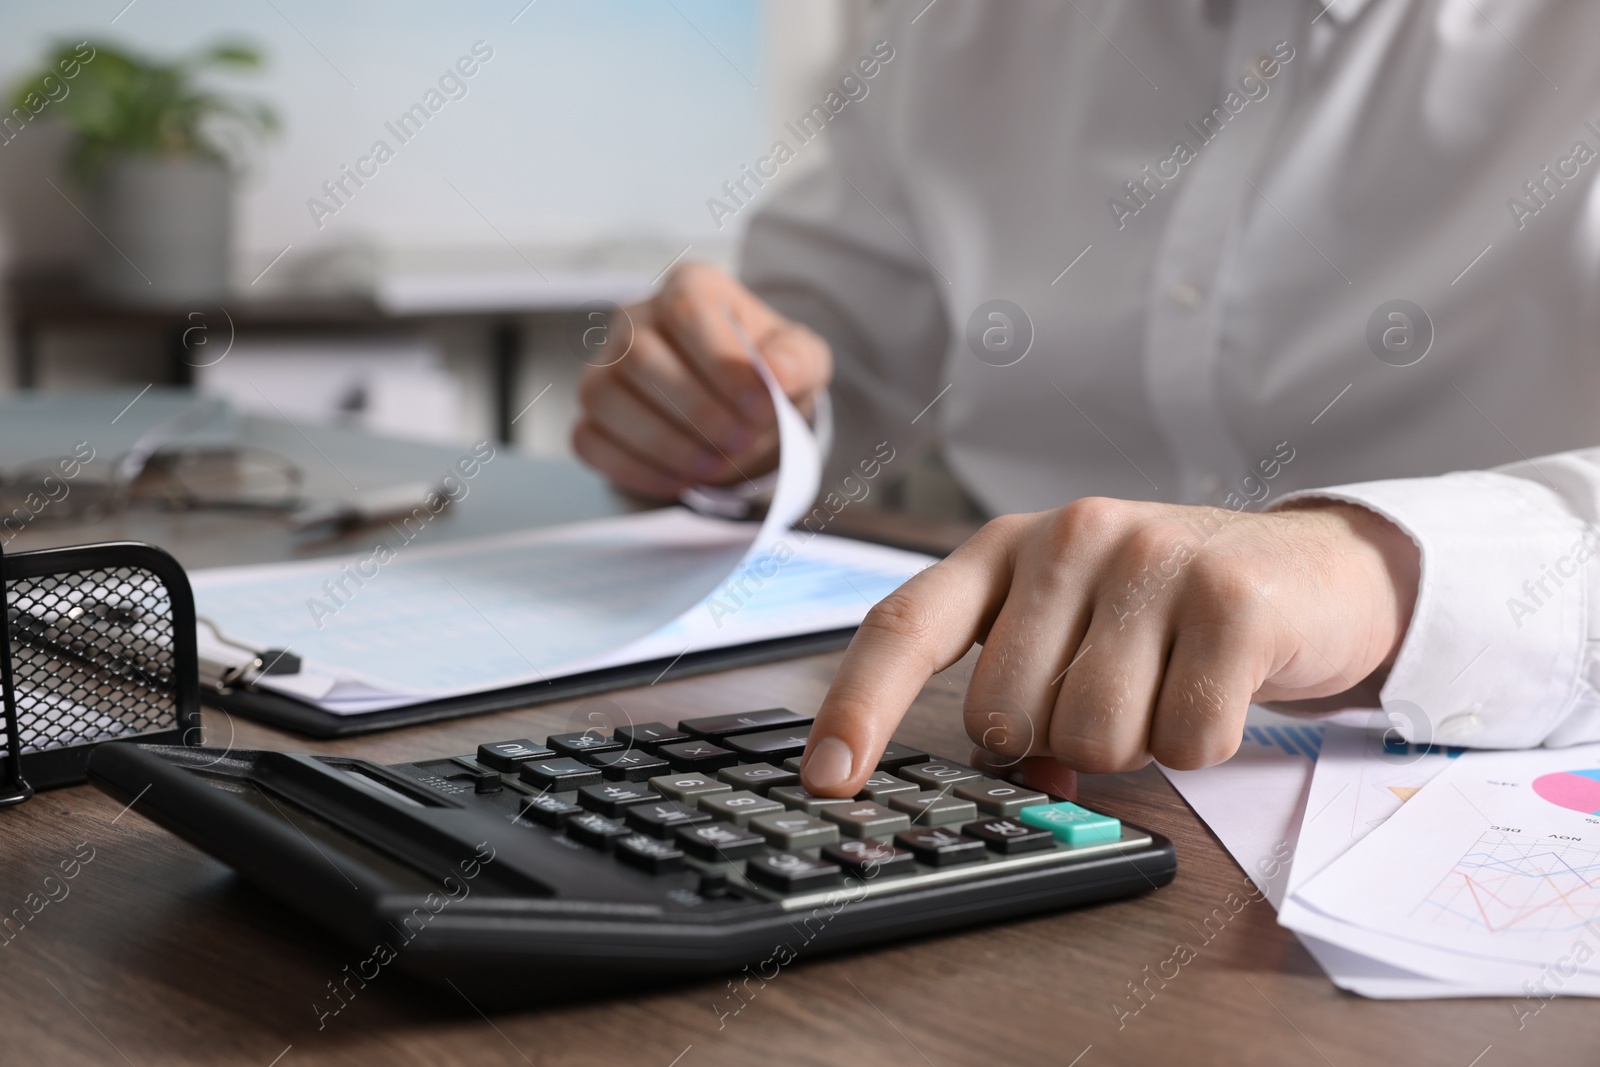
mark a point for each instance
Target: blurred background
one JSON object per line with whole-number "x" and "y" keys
{"x": 539, "y": 156}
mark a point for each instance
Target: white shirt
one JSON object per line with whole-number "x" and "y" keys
{"x": 1199, "y": 286}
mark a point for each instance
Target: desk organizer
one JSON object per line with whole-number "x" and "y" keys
{"x": 102, "y": 646}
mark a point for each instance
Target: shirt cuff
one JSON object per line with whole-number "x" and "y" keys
{"x": 1493, "y": 655}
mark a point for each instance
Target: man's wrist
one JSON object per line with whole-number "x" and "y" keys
{"x": 1389, "y": 557}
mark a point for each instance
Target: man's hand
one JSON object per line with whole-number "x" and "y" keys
{"x": 1114, "y": 633}
{"x": 681, "y": 405}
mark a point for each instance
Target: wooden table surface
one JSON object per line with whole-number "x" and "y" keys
{"x": 154, "y": 954}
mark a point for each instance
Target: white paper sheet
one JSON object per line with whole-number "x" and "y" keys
{"x": 1488, "y": 875}
{"x": 1255, "y": 803}
{"x": 1362, "y": 777}
{"x": 394, "y": 626}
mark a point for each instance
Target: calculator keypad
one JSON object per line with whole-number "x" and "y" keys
{"x": 870, "y": 859}
{"x": 720, "y": 796}
{"x": 940, "y": 847}
{"x": 592, "y": 828}
{"x": 628, "y": 766}
{"x": 995, "y": 797}
{"x": 757, "y": 777}
{"x": 700, "y": 756}
{"x": 883, "y": 784}
{"x": 657, "y": 857}
{"x": 792, "y": 872}
{"x": 867, "y": 819}
{"x": 938, "y": 774}
{"x": 561, "y": 773}
{"x": 721, "y": 840}
{"x": 793, "y": 829}
{"x": 579, "y": 744}
{"x": 609, "y": 798}
{"x": 507, "y": 755}
{"x": 663, "y": 817}
{"x": 739, "y": 806}
{"x": 796, "y": 797}
{"x": 685, "y": 787}
{"x": 934, "y": 808}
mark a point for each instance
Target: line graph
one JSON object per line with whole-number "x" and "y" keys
{"x": 1510, "y": 883}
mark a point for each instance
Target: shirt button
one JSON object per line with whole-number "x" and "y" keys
{"x": 1186, "y": 295}
{"x": 1460, "y": 727}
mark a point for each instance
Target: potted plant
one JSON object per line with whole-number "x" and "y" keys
{"x": 156, "y": 153}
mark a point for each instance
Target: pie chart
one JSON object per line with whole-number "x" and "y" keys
{"x": 1577, "y": 790}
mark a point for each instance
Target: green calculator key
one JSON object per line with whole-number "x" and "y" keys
{"x": 1072, "y": 824}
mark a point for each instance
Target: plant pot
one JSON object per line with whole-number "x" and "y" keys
{"x": 165, "y": 227}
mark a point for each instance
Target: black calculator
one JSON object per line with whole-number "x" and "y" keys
{"x": 591, "y": 863}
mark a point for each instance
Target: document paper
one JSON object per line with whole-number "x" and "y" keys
{"x": 392, "y": 627}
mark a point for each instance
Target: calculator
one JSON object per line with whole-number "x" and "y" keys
{"x": 591, "y": 863}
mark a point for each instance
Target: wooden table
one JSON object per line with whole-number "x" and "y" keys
{"x": 157, "y": 955}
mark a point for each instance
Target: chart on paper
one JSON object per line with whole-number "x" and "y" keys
{"x": 1510, "y": 883}
{"x": 1577, "y": 790}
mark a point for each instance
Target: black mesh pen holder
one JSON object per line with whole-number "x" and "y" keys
{"x": 102, "y": 647}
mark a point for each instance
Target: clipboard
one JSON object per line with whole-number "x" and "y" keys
{"x": 242, "y": 685}
{"x": 289, "y": 713}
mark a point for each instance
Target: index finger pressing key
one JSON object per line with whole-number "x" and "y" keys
{"x": 912, "y": 634}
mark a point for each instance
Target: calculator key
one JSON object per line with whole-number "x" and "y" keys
{"x": 769, "y": 745}
{"x": 794, "y": 830}
{"x": 883, "y": 784}
{"x": 1008, "y": 836}
{"x": 870, "y": 858}
{"x": 609, "y": 798}
{"x": 792, "y": 764}
{"x": 648, "y": 854}
{"x": 560, "y": 773}
{"x": 896, "y": 755}
{"x": 1072, "y": 824}
{"x": 796, "y": 797}
{"x": 995, "y": 797}
{"x": 685, "y": 787}
{"x": 628, "y": 765}
{"x": 647, "y": 735}
{"x": 720, "y": 841}
{"x": 595, "y": 830}
{"x": 940, "y": 847}
{"x": 934, "y": 808}
{"x": 738, "y": 807}
{"x": 936, "y": 774}
{"x": 791, "y": 872}
{"x": 866, "y": 819}
{"x": 663, "y": 817}
{"x": 757, "y": 777}
{"x": 547, "y": 810}
{"x": 713, "y": 883}
{"x": 578, "y": 744}
{"x": 715, "y": 726}
{"x": 463, "y": 771}
{"x": 697, "y": 756}
{"x": 509, "y": 755}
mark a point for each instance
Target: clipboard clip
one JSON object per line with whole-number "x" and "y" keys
{"x": 222, "y": 677}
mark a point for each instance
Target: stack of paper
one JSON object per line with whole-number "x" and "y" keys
{"x": 1417, "y": 871}
{"x": 470, "y": 617}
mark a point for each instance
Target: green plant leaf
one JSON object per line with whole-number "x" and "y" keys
{"x": 119, "y": 103}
